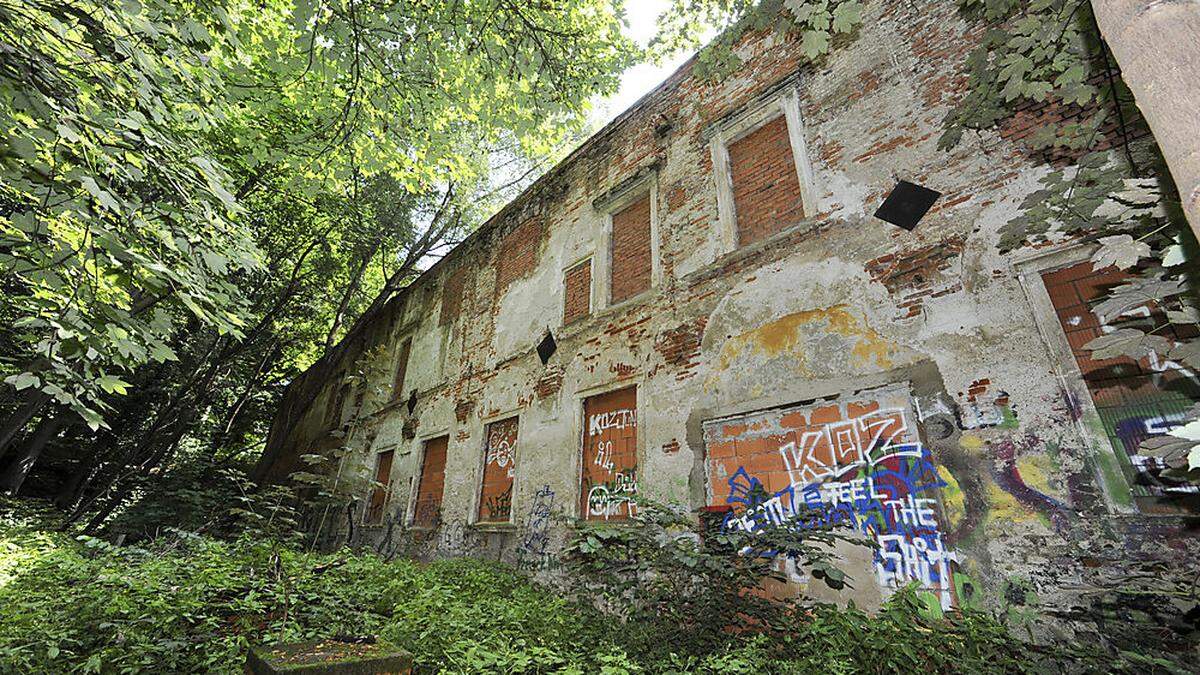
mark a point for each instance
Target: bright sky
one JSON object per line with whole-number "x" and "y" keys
{"x": 643, "y": 23}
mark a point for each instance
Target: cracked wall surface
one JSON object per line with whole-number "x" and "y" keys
{"x": 1001, "y": 448}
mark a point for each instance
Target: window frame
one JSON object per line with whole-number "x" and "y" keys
{"x": 386, "y": 489}
{"x": 581, "y": 398}
{"x": 786, "y": 104}
{"x": 1029, "y": 268}
{"x": 644, "y": 183}
{"x": 415, "y": 492}
{"x": 398, "y": 387}
{"x": 589, "y": 260}
{"x": 477, "y": 502}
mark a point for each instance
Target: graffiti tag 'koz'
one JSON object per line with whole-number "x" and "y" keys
{"x": 852, "y": 465}
{"x": 532, "y": 552}
{"x": 499, "y": 470}
{"x": 609, "y": 468}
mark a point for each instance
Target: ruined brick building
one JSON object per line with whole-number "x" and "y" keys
{"x": 735, "y": 331}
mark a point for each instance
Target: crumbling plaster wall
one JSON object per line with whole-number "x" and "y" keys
{"x": 840, "y": 303}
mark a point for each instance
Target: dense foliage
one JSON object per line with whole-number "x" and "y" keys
{"x": 199, "y": 199}
{"x": 1107, "y": 183}
{"x": 186, "y": 603}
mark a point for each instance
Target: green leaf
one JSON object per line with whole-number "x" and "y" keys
{"x": 846, "y": 16}
{"x": 1127, "y": 342}
{"x": 814, "y": 44}
{"x": 1120, "y": 251}
{"x": 23, "y": 381}
{"x": 113, "y": 384}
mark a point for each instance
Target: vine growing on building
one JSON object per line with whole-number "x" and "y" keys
{"x": 1107, "y": 183}
{"x": 817, "y": 22}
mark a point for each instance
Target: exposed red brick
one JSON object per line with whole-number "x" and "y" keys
{"x": 519, "y": 252}
{"x": 452, "y": 293}
{"x": 463, "y": 409}
{"x": 577, "y": 292}
{"x": 631, "y": 250}
{"x": 766, "y": 191}
{"x": 549, "y": 383}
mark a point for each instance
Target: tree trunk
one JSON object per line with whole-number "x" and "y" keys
{"x": 14, "y": 476}
{"x": 68, "y": 495}
{"x": 31, "y": 403}
{"x": 344, "y": 305}
{"x": 1157, "y": 46}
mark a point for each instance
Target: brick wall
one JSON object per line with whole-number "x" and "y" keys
{"x": 769, "y": 328}
{"x": 631, "y": 250}
{"x": 766, "y": 192}
{"x": 452, "y": 292}
{"x": 518, "y": 255}
{"x": 401, "y": 367}
{"x": 577, "y": 292}
{"x": 1034, "y": 116}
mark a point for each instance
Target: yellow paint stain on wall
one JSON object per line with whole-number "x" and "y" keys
{"x": 971, "y": 443}
{"x": 1004, "y": 507}
{"x": 954, "y": 502}
{"x": 785, "y": 336}
{"x": 1036, "y": 471}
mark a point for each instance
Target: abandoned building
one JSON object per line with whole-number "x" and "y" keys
{"x": 700, "y": 306}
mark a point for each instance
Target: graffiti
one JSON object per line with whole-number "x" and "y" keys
{"x": 608, "y": 478}
{"x": 614, "y": 419}
{"x": 457, "y": 538}
{"x": 531, "y": 553}
{"x": 427, "y": 514}
{"x": 613, "y": 498}
{"x": 860, "y": 473}
{"x": 497, "y": 506}
{"x": 604, "y": 455}
{"x": 500, "y": 451}
{"x": 1008, "y": 477}
{"x": 1132, "y": 431}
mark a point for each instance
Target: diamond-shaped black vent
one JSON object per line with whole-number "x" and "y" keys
{"x": 547, "y": 347}
{"x": 907, "y": 204}
{"x": 412, "y": 401}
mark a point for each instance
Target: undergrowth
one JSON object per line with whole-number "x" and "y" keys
{"x": 185, "y": 603}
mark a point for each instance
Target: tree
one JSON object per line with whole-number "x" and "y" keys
{"x": 186, "y": 185}
{"x": 1155, "y": 45}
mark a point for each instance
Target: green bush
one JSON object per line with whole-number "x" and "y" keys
{"x": 192, "y": 604}
{"x": 185, "y": 603}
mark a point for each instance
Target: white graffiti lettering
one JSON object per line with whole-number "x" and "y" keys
{"x": 616, "y": 419}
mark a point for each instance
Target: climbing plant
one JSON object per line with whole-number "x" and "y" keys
{"x": 1107, "y": 183}
{"x": 816, "y": 23}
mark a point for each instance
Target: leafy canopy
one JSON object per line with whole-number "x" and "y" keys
{"x": 135, "y": 131}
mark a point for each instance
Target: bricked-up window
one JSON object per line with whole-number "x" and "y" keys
{"x": 499, "y": 469}
{"x": 610, "y": 459}
{"x": 631, "y": 252}
{"x": 856, "y": 462}
{"x": 401, "y": 367}
{"x": 518, "y": 254}
{"x": 577, "y": 292}
{"x": 766, "y": 190}
{"x": 1136, "y": 399}
{"x": 452, "y": 295}
{"x": 427, "y": 508}
{"x": 379, "y": 495}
